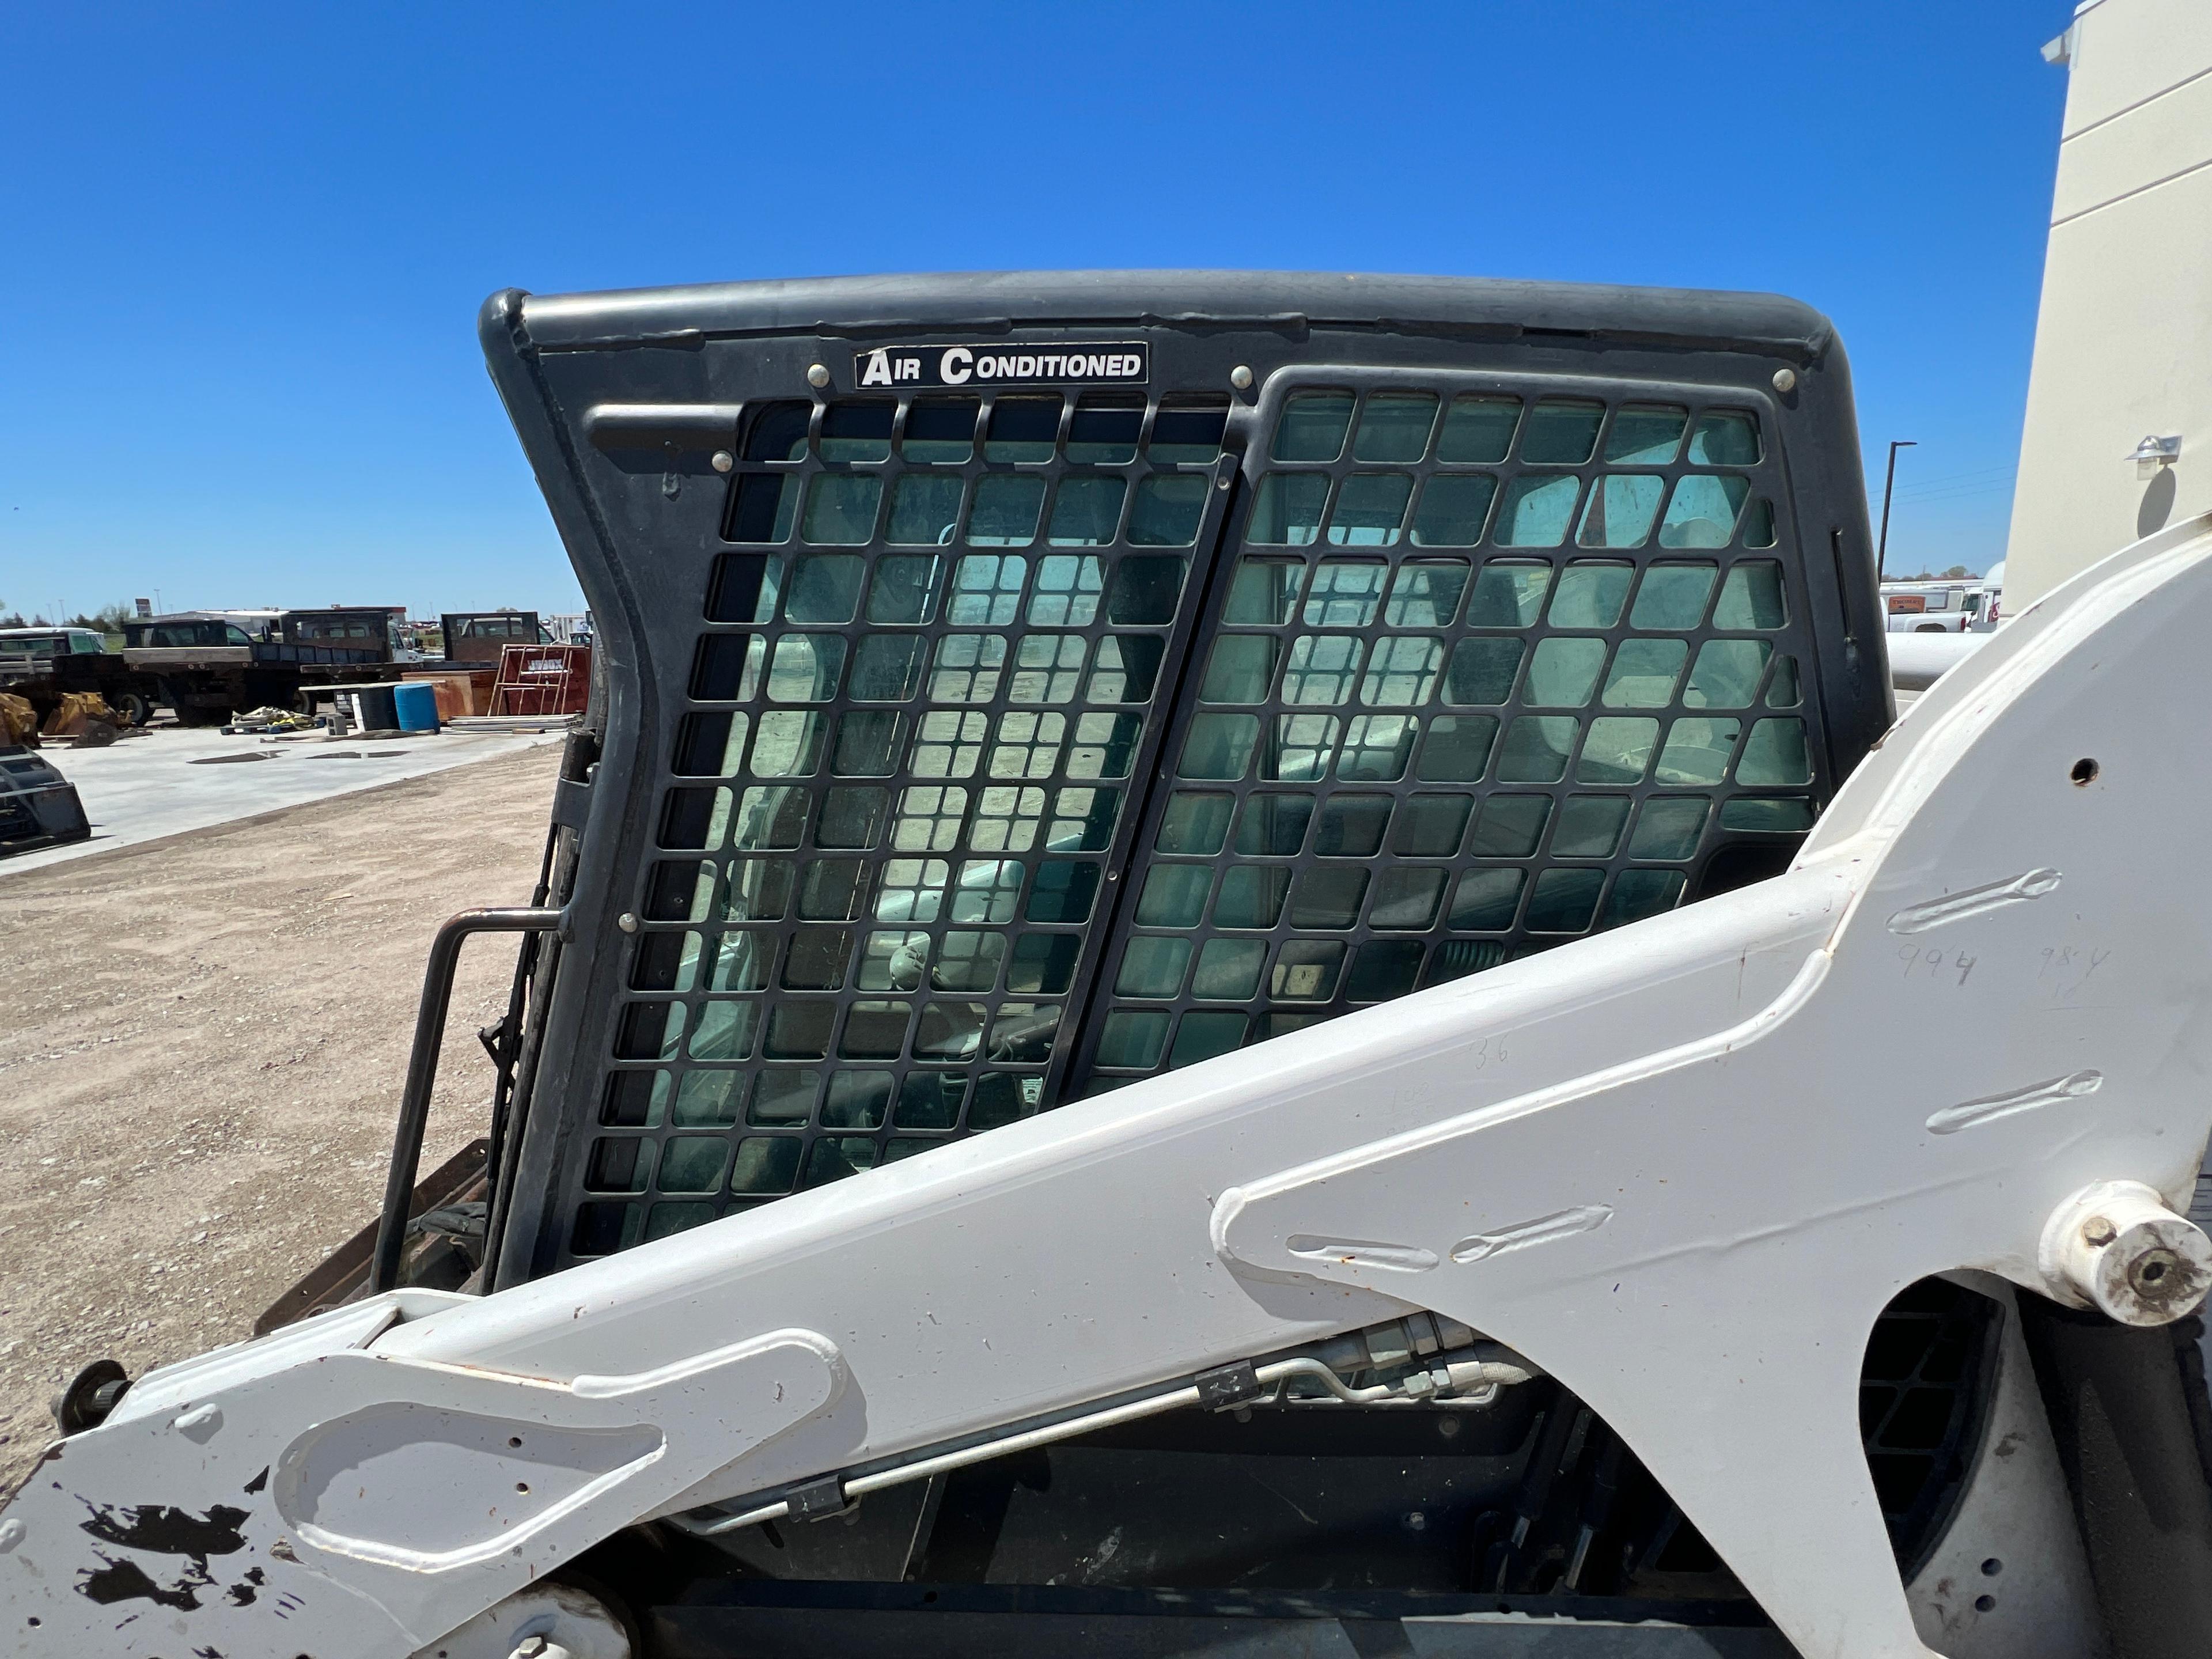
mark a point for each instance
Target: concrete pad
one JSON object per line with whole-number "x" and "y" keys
{"x": 175, "y": 778}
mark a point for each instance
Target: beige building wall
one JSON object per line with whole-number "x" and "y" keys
{"x": 2123, "y": 338}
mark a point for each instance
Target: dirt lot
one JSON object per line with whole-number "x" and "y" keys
{"x": 202, "y": 1043}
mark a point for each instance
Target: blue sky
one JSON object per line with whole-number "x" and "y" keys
{"x": 242, "y": 247}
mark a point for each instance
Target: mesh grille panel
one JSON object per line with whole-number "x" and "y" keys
{"x": 917, "y": 716}
{"x": 1030, "y": 747}
{"x": 1517, "y": 685}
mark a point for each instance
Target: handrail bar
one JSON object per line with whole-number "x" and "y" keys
{"x": 423, "y": 1072}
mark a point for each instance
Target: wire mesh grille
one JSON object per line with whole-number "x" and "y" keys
{"x": 917, "y": 717}
{"x": 1032, "y": 746}
{"x": 1486, "y": 673}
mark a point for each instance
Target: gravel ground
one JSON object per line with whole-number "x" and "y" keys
{"x": 201, "y": 1054}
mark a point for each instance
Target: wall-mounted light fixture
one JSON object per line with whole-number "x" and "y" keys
{"x": 2154, "y": 453}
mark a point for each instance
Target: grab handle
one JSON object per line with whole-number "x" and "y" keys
{"x": 422, "y": 1074}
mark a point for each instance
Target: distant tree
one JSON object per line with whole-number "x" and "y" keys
{"x": 14, "y": 619}
{"x": 108, "y": 619}
{"x": 1960, "y": 570}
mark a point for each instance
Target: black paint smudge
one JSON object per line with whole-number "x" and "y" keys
{"x": 161, "y": 1530}
{"x": 167, "y": 1531}
{"x": 242, "y": 1595}
{"x": 126, "y": 1581}
{"x": 258, "y": 1481}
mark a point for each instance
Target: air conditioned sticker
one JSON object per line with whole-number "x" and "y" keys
{"x": 1002, "y": 365}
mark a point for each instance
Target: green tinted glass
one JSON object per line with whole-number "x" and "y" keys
{"x": 1312, "y": 426}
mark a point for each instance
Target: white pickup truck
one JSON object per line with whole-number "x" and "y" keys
{"x": 1968, "y": 605}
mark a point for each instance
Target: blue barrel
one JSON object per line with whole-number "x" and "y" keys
{"x": 415, "y": 703}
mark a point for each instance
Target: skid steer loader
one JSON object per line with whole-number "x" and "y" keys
{"x": 1524, "y": 1117}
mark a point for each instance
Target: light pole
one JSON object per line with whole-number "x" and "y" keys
{"x": 1889, "y": 483}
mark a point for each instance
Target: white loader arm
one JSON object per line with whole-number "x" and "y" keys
{"x": 1681, "y": 1166}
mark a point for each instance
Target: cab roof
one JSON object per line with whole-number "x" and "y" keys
{"x": 1703, "y": 318}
